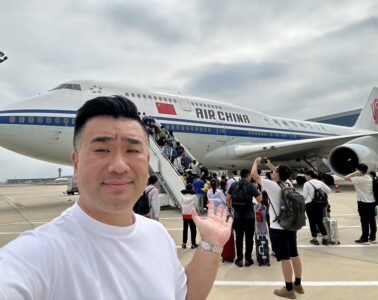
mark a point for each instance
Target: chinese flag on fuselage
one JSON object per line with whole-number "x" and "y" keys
{"x": 165, "y": 108}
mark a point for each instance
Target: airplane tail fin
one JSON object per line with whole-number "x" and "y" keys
{"x": 368, "y": 118}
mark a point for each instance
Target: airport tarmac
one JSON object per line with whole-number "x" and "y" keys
{"x": 345, "y": 271}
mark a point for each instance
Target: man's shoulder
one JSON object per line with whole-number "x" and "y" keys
{"x": 364, "y": 178}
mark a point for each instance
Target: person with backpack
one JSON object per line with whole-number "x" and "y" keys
{"x": 240, "y": 197}
{"x": 283, "y": 240}
{"x": 153, "y": 197}
{"x": 365, "y": 203}
{"x": 314, "y": 210}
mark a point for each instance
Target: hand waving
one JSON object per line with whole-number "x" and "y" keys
{"x": 215, "y": 229}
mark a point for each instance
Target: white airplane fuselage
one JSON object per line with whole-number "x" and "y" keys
{"x": 42, "y": 127}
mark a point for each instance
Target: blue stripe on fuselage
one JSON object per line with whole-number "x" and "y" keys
{"x": 174, "y": 124}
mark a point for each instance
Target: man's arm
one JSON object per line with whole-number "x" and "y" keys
{"x": 201, "y": 271}
{"x": 259, "y": 198}
{"x": 272, "y": 167}
{"x": 353, "y": 174}
{"x": 254, "y": 173}
{"x": 228, "y": 200}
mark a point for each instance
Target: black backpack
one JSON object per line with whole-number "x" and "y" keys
{"x": 239, "y": 196}
{"x": 375, "y": 189}
{"x": 292, "y": 216}
{"x": 142, "y": 206}
{"x": 320, "y": 197}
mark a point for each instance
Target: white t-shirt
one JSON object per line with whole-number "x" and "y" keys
{"x": 78, "y": 257}
{"x": 275, "y": 196}
{"x": 308, "y": 189}
{"x": 364, "y": 188}
{"x": 153, "y": 198}
{"x": 230, "y": 182}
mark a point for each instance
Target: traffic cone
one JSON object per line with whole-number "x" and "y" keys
{"x": 337, "y": 188}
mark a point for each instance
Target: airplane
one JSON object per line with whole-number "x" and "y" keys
{"x": 220, "y": 135}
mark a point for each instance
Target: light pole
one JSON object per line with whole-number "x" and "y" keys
{"x": 3, "y": 57}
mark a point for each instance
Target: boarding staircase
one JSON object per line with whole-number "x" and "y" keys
{"x": 169, "y": 178}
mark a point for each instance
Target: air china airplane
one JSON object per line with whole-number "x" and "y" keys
{"x": 219, "y": 134}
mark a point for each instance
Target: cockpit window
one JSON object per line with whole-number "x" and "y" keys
{"x": 68, "y": 86}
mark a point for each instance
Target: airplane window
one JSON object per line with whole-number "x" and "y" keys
{"x": 21, "y": 119}
{"x": 174, "y": 100}
{"x": 132, "y": 95}
{"x": 57, "y": 120}
{"x": 138, "y": 95}
{"x": 193, "y": 103}
{"x": 165, "y": 99}
{"x": 12, "y": 119}
{"x": 149, "y": 97}
{"x": 144, "y": 96}
{"x": 160, "y": 99}
{"x": 48, "y": 120}
{"x": 126, "y": 94}
{"x": 170, "y": 100}
{"x": 73, "y": 121}
{"x": 31, "y": 120}
{"x": 40, "y": 120}
{"x": 155, "y": 97}
{"x": 200, "y": 104}
{"x": 65, "y": 121}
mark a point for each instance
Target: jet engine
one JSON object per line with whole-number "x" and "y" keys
{"x": 344, "y": 158}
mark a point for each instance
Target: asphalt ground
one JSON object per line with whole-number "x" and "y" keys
{"x": 345, "y": 271}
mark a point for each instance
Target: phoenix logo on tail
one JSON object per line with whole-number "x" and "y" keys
{"x": 374, "y": 108}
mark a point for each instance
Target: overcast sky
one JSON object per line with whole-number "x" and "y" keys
{"x": 297, "y": 59}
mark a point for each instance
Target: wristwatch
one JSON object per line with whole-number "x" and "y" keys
{"x": 211, "y": 248}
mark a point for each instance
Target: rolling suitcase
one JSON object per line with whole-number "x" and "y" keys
{"x": 228, "y": 253}
{"x": 261, "y": 236}
{"x": 331, "y": 227}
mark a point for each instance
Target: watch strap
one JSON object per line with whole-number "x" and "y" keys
{"x": 211, "y": 248}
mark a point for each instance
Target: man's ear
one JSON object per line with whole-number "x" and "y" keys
{"x": 75, "y": 162}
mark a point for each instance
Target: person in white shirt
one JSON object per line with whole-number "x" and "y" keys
{"x": 233, "y": 178}
{"x": 365, "y": 202}
{"x": 153, "y": 197}
{"x": 313, "y": 210}
{"x": 100, "y": 249}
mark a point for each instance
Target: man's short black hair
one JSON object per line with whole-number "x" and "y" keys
{"x": 112, "y": 106}
{"x": 362, "y": 168}
{"x": 244, "y": 173}
{"x": 284, "y": 172}
{"x": 310, "y": 173}
{"x": 152, "y": 179}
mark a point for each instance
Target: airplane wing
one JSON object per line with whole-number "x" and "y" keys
{"x": 291, "y": 150}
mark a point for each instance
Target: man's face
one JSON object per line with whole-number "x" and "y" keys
{"x": 111, "y": 166}
{"x": 275, "y": 176}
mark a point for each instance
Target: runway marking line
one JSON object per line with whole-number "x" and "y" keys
{"x": 304, "y": 283}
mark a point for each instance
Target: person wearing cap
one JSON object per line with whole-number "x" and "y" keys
{"x": 365, "y": 203}
{"x": 189, "y": 201}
